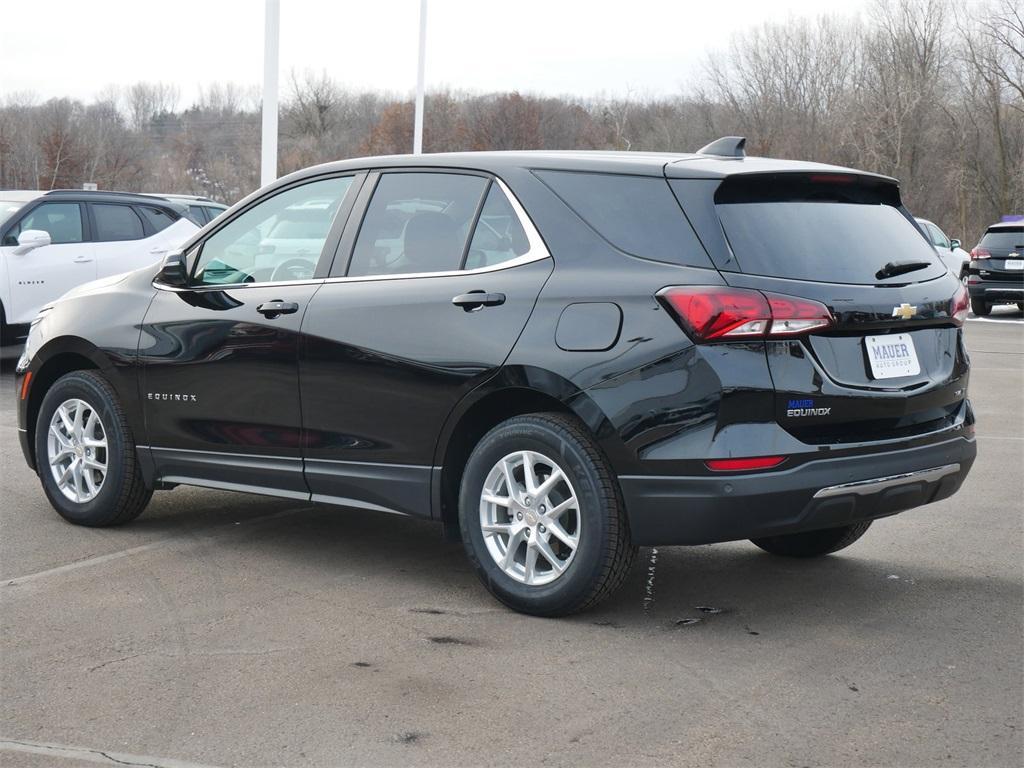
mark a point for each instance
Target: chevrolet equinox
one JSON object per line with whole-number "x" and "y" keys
{"x": 559, "y": 356}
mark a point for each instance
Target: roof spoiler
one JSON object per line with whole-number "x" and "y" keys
{"x": 727, "y": 146}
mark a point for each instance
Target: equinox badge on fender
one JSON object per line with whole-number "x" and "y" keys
{"x": 797, "y": 408}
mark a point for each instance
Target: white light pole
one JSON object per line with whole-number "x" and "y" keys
{"x": 271, "y": 35}
{"x": 417, "y": 133}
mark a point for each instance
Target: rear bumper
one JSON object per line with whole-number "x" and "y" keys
{"x": 817, "y": 494}
{"x": 996, "y": 290}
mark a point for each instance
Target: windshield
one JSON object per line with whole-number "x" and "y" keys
{"x": 8, "y": 208}
{"x": 831, "y": 232}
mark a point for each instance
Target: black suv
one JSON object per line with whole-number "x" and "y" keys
{"x": 996, "y": 271}
{"x": 559, "y": 356}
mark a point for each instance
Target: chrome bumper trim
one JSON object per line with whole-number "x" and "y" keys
{"x": 875, "y": 485}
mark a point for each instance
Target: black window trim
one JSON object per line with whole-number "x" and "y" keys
{"x": 343, "y": 255}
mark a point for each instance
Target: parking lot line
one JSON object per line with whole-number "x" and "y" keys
{"x": 101, "y": 756}
{"x": 100, "y": 559}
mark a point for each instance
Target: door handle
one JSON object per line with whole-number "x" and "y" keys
{"x": 82, "y": 260}
{"x": 158, "y": 251}
{"x": 271, "y": 309}
{"x": 475, "y": 300}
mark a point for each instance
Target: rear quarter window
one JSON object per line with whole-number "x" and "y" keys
{"x": 637, "y": 214}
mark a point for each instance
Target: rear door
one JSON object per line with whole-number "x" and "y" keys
{"x": 426, "y": 300}
{"x": 893, "y": 363}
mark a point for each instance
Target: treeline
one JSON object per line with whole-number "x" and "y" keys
{"x": 923, "y": 90}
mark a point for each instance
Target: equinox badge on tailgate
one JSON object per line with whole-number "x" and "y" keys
{"x": 797, "y": 408}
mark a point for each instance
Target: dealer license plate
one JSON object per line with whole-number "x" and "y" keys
{"x": 892, "y": 356}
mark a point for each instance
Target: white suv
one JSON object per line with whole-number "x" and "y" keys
{"x": 51, "y": 242}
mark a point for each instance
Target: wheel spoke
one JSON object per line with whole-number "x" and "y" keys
{"x": 548, "y": 485}
{"x": 94, "y": 464}
{"x": 501, "y": 501}
{"x": 90, "y": 424}
{"x": 513, "y": 546}
{"x": 557, "y": 511}
{"x": 76, "y": 476}
{"x": 561, "y": 534}
{"x": 77, "y": 424}
{"x": 65, "y": 418}
{"x": 62, "y": 481}
{"x": 60, "y": 456}
{"x": 530, "y": 564}
{"x": 549, "y": 554}
{"x": 510, "y": 483}
{"x": 504, "y": 529}
{"x": 529, "y": 478}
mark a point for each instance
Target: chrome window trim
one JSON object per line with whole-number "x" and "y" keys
{"x": 536, "y": 252}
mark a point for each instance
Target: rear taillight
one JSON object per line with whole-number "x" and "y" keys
{"x": 720, "y": 313}
{"x": 960, "y": 305}
{"x": 980, "y": 253}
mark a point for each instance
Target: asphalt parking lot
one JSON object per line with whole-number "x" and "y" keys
{"x": 228, "y": 630}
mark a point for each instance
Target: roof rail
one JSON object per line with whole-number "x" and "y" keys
{"x": 727, "y": 146}
{"x": 92, "y": 192}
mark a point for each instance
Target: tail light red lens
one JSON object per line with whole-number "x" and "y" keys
{"x": 980, "y": 253}
{"x": 721, "y": 313}
{"x": 741, "y": 465}
{"x": 960, "y": 305}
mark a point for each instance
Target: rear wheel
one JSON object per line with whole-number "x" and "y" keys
{"x": 813, "y": 543}
{"x": 980, "y": 308}
{"x": 542, "y": 517}
{"x": 85, "y": 453}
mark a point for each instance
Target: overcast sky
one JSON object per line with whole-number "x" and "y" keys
{"x": 77, "y": 47}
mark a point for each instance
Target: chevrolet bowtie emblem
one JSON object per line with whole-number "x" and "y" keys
{"x": 904, "y": 311}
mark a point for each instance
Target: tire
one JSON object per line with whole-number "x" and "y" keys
{"x": 813, "y": 543}
{"x": 594, "y": 517}
{"x": 120, "y": 494}
{"x": 1020, "y": 306}
{"x": 980, "y": 308}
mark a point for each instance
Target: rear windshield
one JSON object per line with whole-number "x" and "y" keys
{"x": 824, "y": 228}
{"x": 637, "y": 214}
{"x": 1004, "y": 238}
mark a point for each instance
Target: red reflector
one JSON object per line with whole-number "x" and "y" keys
{"x": 736, "y": 465}
{"x": 960, "y": 305}
{"x": 24, "y": 385}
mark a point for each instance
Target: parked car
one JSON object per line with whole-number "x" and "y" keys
{"x": 200, "y": 210}
{"x": 996, "y": 274}
{"x": 558, "y": 356}
{"x": 51, "y": 242}
{"x": 949, "y": 250}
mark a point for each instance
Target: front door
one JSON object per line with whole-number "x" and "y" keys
{"x": 219, "y": 381}
{"x": 442, "y": 279}
{"x": 45, "y": 274}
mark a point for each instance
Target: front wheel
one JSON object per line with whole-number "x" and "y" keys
{"x": 542, "y": 517}
{"x": 813, "y": 543}
{"x": 85, "y": 453}
{"x": 980, "y": 307}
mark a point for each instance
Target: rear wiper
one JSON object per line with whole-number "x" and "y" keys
{"x": 894, "y": 268}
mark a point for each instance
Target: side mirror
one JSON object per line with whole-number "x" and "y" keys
{"x": 31, "y": 239}
{"x": 954, "y": 244}
{"x": 174, "y": 271}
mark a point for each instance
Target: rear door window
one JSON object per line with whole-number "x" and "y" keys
{"x": 417, "y": 223}
{"x": 637, "y": 214}
{"x": 822, "y": 228}
{"x": 116, "y": 222}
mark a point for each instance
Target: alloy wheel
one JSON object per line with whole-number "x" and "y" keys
{"x": 76, "y": 449}
{"x": 530, "y": 518}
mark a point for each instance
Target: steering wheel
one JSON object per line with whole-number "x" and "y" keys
{"x": 292, "y": 269}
